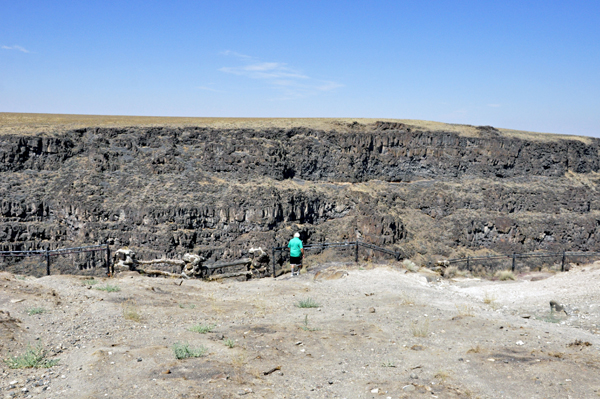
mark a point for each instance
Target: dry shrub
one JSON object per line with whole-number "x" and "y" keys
{"x": 406, "y": 299}
{"x": 476, "y": 349}
{"x": 420, "y": 329}
{"x": 464, "y": 310}
{"x": 442, "y": 375}
{"x": 504, "y": 275}
{"x": 480, "y": 271}
{"x": 451, "y": 271}
{"x": 131, "y": 312}
{"x": 410, "y": 266}
{"x": 490, "y": 300}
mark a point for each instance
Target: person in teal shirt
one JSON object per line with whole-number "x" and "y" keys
{"x": 296, "y": 254}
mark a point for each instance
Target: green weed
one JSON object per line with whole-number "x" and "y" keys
{"x": 109, "y": 288}
{"x": 202, "y": 328}
{"x": 34, "y": 311}
{"x": 32, "y": 358}
{"x": 183, "y": 351}
{"x": 305, "y": 326}
{"x": 308, "y": 303}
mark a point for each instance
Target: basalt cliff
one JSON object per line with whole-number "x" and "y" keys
{"x": 216, "y": 190}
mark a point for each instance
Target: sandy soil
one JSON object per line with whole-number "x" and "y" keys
{"x": 379, "y": 331}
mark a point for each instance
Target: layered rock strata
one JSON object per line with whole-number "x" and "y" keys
{"x": 166, "y": 191}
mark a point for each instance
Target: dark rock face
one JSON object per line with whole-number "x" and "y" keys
{"x": 167, "y": 191}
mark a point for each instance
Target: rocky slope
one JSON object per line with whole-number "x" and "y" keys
{"x": 218, "y": 191}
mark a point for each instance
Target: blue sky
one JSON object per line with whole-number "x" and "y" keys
{"x": 530, "y": 65}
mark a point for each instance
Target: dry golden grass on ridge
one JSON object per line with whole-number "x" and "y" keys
{"x": 29, "y": 123}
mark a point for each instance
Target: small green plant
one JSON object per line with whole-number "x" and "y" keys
{"x": 34, "y": 311}
{"x": 109, "y": 288}
{"x": 504, "y": 275}
{"x": 229, "y": 343}
{"x": 389, "y": 363}
{"x": 308, "y": 303}
{"x": 420, "y": 329}
{"x": 20, "y": 277}
{"x": 183, "y": 351}
{"x": 187, "y": 306}
{"x": 32, "y": 358}
{"x": 202, "y": 328}
{"x": 90, "y": 281}
{"x": 305, "y": 326}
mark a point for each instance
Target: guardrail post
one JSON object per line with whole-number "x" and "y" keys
{"x": 47, "y": 262}
{"x": 562, "y": 266}
{"x": 514, "y": 261}
{"x": 356, "y": 252}
{"x": 273, "y": 263}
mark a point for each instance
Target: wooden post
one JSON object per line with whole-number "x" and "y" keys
{"x": 108, "y": 270}
{"x": 47, "y": 262}
{"x": 562, "y": 267}
{"x": 356, "y": 252}
{"x": 273, "y": 263}
{"x": 514, "y": 260}
{"x": 468, "y": 268}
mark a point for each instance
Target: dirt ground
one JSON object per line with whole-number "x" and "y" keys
{"x": 378, "y": 332}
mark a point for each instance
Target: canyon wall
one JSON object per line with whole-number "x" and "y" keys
{"x": 164, "y": 191}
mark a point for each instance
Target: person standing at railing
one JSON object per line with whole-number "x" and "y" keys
{"x": 296, "y": 254}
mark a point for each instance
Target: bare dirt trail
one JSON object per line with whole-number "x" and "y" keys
{"x": 378, "y": 332}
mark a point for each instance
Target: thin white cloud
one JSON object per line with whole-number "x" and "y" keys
{"x": 209, "y": 89}
{"x": 494, "y": 105}
{"x": 264, "y": 70}
{"x": 289, "y": 81}
{"x": 233, "y": 53}
{"x": 15, "y": 47}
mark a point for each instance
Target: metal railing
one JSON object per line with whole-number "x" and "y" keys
{"x": 346, "y": 244}
{"x": 48, "y": 253}
{"x": 514, "y": 256}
